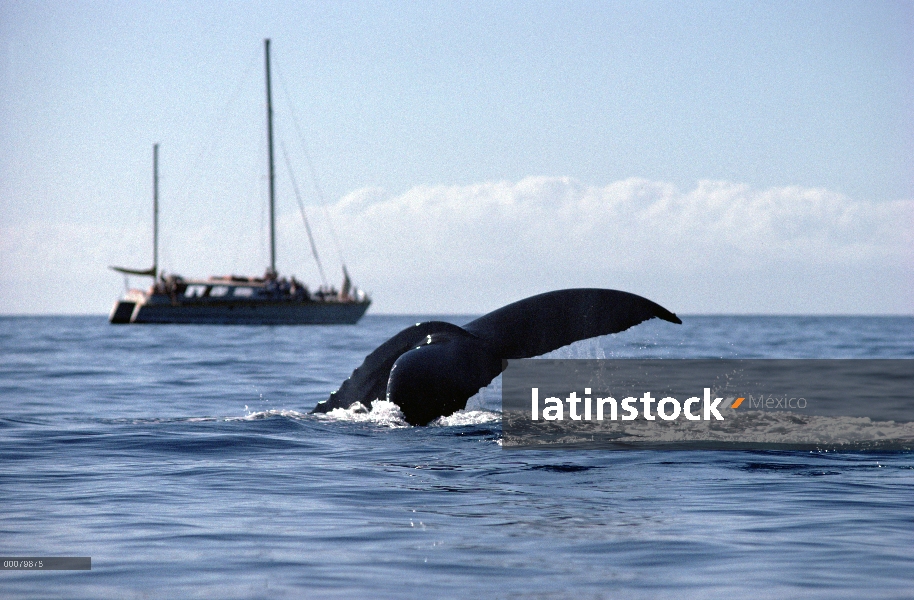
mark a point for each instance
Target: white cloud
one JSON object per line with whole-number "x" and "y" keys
{"x": 720, "y": 247}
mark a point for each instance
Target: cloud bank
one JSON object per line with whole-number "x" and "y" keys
{"x": 718, "y": 248}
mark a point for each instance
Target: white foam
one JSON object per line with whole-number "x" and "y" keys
{"x": 487, "y": 399}
{"x": 383, "y": 412}
{"x": 388, "y": 414}
{"x": 466, "y": 417}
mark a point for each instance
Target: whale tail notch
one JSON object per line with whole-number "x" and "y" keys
{"x": 369, "y": 381}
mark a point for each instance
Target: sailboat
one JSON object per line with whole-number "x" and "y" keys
{"x": 233, "y": 300}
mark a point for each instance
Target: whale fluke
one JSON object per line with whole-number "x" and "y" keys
{"x": 543, "y": 323}
{"x": 369, "y": 381}
{"x": 431, "y": 369}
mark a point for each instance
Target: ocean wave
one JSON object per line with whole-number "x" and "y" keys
{"x": 750, "y": 427}
{"x": 780, "y": 427}
{"x": 266, "y": 414}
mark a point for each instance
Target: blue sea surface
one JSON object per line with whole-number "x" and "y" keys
{"x": 183, "y": 461}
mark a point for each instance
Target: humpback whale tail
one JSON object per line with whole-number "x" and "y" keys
{"x": 431, "y": 369}
{"x": 543, "y": 323}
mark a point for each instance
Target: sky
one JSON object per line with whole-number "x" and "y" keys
{"x": 716, "y": 157}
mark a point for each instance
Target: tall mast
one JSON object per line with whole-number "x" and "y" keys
{"x": 155, "y": 211}
{"x": 266, "y": 45}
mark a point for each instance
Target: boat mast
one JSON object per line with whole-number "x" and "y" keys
{"x": 155, "y": 211}
{"x": 266, "y": 45}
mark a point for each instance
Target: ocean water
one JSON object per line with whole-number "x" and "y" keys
{"x": 183, "y": 461}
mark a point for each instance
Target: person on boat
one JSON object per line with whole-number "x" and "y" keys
{"x": 158, "y": 286}
{"x": 298, "y": 289}
{"x": 347, "y": 286}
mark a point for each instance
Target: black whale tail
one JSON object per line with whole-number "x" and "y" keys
{"x": 431, "y": 369}
{"x": 543, "y": 323}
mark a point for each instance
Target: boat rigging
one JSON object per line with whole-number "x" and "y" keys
{"x": 234, "y": 300}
